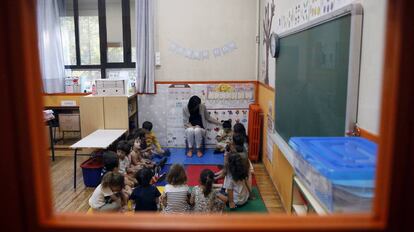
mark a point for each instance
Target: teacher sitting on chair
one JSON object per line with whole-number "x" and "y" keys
{"x": 195, "y": 121}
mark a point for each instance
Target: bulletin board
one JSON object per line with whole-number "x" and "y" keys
{"x": 165, "y": 109}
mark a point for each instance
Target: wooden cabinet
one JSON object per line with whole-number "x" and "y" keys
{"x": 116, "y": 112}
{"x": 107, "y": 112}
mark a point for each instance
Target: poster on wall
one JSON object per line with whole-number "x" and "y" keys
{"x": 270, "y": 117}
{"x": 178, "y": 96}
{"x": 236, "y": 116}
{"x": 165, "y": 109}
{"x": 229, "y": 96}
{"x": 306, "y": 10}
{"x": 269, "y": 147}
{"x": 269, "y": 131}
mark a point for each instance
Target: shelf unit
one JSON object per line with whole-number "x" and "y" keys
{"x": 108, "y": 112}
{"x": 303, "y": 202}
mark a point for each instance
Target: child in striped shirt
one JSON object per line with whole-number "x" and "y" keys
{"x": 176, "y": 196}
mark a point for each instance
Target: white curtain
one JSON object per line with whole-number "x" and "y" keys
{"x": 50, "y": 46}
{"x": 145, "y": 64}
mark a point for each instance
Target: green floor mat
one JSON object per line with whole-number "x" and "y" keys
{"x": 252, "y": 206}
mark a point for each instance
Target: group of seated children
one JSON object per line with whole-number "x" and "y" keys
{"x": 131, "y": 175}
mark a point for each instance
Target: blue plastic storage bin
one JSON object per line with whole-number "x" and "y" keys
{"x": 91, "y": 170}
{"x": 339, "y": 171}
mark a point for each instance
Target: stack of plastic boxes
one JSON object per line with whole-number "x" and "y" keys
{"x": 338, "y": 171}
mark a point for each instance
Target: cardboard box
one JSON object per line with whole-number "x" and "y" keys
{"x": 72, "y": 85}
{"x": 111, "y": 87}
{"x": 69, "y": 122}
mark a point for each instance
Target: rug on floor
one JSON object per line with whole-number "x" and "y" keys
{"x": 178, "y": 155}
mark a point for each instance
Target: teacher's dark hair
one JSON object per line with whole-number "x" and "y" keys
{"x": 193, "y": 104}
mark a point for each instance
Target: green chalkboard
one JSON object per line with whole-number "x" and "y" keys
{"x": 311, "y": 80}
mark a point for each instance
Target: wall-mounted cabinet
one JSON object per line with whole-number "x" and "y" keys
{"x": 108, "y": 112}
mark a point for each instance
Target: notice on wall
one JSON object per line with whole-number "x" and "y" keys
{"x": 269, "y": 131}
{"x": 229, "y": 96}
{"x": 178, "y": 96}
{"x": 269, "y": 147}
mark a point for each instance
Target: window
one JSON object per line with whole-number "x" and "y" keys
{"x": 133, "y": 32}
{"x": 96, "y": 36}
{"x": 114, "y": 31}
{"x": 89, "y": 32}
{"x": 67, "y": 22}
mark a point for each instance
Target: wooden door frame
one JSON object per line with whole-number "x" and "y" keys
{"x": 26, "y": 193}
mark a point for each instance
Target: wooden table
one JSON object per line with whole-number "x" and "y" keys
{"x": 99, "y": 139}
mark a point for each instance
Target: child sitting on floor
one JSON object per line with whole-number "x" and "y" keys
{"x": 175, "y": 198}
{"x": 236, "y": 181}
{"x": 239, "y": 129}
{"x": 204, "y": 198}
{"x": 152, "y": 141}
{"x": 122, "y": 150}
{"x": 145, "y": 195}
{"x": 237, "y": 146}
{"x": 111, "y": 164}
{"x": 224, "y": 136}
{"x": 140, "y": 144}
{"x": 138, "y": 162}
{"x": 108, "y": 196}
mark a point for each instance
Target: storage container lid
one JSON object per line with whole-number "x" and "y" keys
{"x": 339, "y": 159}
{"x": 92, "y": 163}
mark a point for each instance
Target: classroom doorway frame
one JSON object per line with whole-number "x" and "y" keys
{"x": 27, "y": 199}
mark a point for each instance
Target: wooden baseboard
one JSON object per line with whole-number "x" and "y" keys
{"x": 265, "y": 86}
{"x": 370, "y": 136}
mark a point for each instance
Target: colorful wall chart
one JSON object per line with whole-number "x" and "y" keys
{"x": 165, "y": 109}
{"x": 305, "y": 11}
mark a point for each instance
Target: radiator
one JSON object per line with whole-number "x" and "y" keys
{"x": 255, "y": 131}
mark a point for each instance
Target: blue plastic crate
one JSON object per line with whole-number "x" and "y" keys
{"x": 91, "y": 171}
{"x": 339, "y": 171}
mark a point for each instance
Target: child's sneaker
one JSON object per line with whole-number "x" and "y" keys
{"x": 157, "y": 171}
{"x": 161, "y": 177}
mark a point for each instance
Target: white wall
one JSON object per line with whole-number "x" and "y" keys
{"x": 207, "y": 24}
{"x": 372, "y": 58}
{"x": 372, "y": 62}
